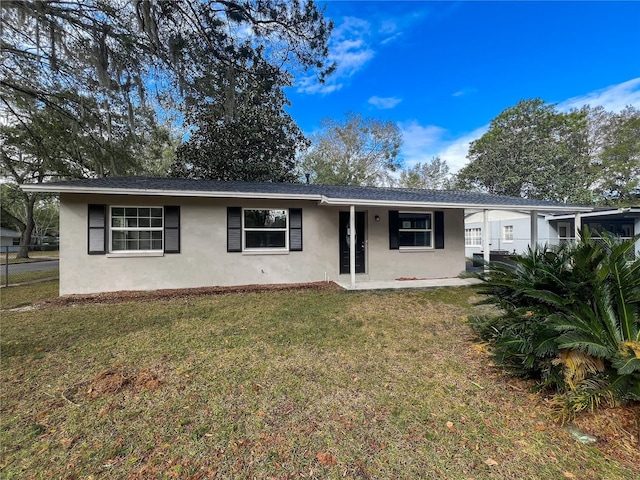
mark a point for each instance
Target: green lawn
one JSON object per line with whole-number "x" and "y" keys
{"x": 34, "y": 256}
{"x": 286, "y": 384}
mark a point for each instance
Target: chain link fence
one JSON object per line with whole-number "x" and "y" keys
{"x": 42, "y": 264}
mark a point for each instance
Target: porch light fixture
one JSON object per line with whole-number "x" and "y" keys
{"x": 377, "y": 218}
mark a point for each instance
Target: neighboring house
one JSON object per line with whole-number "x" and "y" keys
{"x": 144, "y": 234}
{"x": 9, "y": 240}
{"x": 624, "y": 222}
{"x": 510, "y": 231}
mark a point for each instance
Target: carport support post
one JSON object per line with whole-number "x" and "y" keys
{"x": 352, "y": 244}
{"x": 534, "y": 228}
{"x": 486, "y": 240}
{"x": 577, "y": 224}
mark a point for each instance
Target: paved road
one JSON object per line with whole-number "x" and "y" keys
{"x": 31, "y": 266}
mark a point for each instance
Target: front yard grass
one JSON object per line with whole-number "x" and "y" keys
{"x": 283, "y": 384}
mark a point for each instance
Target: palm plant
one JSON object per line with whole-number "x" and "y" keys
{"x": 570, "y": 316}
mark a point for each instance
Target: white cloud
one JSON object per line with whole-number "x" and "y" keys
{"x": 384, "y": 103}
{"x": 422, "y": 143}
{"x": 350, "y": 49}
{"x": 613, "y": 98}
{"x": 464, "y": 92}
{"x": 455, "y": 152}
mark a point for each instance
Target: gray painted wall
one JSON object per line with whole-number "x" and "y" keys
{"x": 204, "y": 260}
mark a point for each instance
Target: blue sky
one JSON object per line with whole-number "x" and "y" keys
{"x": 443, "y": 70}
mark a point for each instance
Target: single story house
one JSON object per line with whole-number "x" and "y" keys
{"x": 145, "y": 233}
{"x": 510, "y": 231}
{"x": 9, "y": 240}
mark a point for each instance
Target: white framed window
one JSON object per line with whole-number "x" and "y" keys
{"x": 415, "y": 230}
{"x": 136, "y": 229}
{"x": 473, "y": 237}
{"x": 265, "y": 229}
{"x": 507, "y": 233}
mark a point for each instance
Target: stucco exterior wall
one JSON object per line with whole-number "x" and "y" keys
{"x": 204, "y": 260}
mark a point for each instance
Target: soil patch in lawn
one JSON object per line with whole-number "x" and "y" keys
{"x": 111, "y": 382}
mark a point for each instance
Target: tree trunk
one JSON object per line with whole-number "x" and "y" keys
{"x": 25, "y": 237}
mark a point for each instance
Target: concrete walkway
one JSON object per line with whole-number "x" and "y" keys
{"x": 397, "y": 284}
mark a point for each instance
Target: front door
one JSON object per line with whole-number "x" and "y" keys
{"x": 345, "y": 239}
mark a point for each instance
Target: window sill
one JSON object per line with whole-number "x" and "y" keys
{"x": 265, "y": 252}
{"x": 134, "y": 254}
{"x": 416, "y": 249}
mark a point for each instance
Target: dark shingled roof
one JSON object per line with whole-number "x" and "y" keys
{"x": 174, "y": 186}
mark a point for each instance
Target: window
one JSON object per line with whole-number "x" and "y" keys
{"x": 127, "y": 230}
{"x": 265, "y": 229}
{"x": 136, "y": 229}
{"x": 415, "y": 230}
{"x": 473, "y": 237}
{"x": 507, "y": 233}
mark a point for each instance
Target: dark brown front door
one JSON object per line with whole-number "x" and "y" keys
{"x": 345, "y": 238}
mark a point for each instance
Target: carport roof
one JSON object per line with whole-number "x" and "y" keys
{"x": 324, "y": 194}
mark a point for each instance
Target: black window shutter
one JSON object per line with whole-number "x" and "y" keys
{"x": 439, "y": 227}
{"x": 172, "y": 229}
{"x": 295, "y": 229}
{"x": 394, "y": 224}
{"x": 234, "y": 229}
{"x": 97, "y": 235}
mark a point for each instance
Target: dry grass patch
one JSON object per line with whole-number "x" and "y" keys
{"x": 281, "y": 384}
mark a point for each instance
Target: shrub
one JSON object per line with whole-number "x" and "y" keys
{"x": 570, "y": 317}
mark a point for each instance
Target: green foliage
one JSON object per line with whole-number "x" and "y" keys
{"x": 571, "y": 316}
{"x": 355, "y": 151}
{"x": 433, "y": 175}
{"x": 620, "y": 158}
{"x": 243, "y": 131}
{"x": 535, "y": 151}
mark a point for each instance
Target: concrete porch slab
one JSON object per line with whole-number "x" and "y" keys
{"x": 398, "y": 284}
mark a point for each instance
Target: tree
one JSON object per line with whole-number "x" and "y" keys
{"x": 243, "y": 131}
{"x": 41, "y": 145}
{"x": 121, "y": 51}
{"x": 619, "y": 172}
{"x": 355, "y": 151}
{"x": 433, "y": 175}
{"x": 95, "y": 67}
{"x": 532, "y": 151}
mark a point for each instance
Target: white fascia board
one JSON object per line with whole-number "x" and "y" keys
{"x": 601, "y": 213}
{"x": 167, "y": 193}
{"x": 321, "y": 199}
{"x": 390, "y": 203}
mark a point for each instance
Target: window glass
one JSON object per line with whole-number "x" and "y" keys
{"x": 265, "y": 228}
{"x": 136, "y": 228}
{"x": 265, "y": 218}
{"x": 415, "y": 229}
{"x": 473, "y": 237}
{"x": 265, "y": 239}
{"x": 508, "y": 233}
